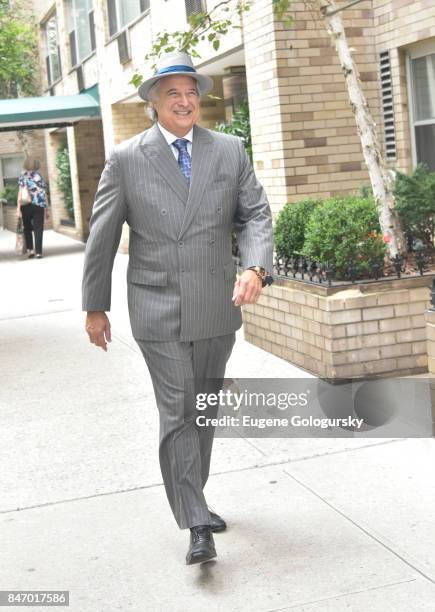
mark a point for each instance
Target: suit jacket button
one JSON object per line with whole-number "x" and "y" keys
{"x": 212, "y": 270}
{"x": 219, "y": 209}
{"x": 212, "y": 241}
{"x": 181, "y": 243}
{"x": 163, "y": 211}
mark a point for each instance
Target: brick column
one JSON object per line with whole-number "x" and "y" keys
{"x": 305, "y": 140}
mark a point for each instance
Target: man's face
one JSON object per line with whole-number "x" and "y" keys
{"x": 178, "y": 104}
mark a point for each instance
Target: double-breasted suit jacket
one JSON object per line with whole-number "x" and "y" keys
{"x": 181, "y": 271}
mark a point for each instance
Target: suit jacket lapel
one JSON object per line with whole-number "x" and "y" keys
{"x": 156, "y": 149}
{"x": 202, "y": 165}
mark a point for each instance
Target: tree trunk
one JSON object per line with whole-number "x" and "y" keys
{"x": 382, "y": 182}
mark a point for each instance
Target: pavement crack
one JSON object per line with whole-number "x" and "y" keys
{"x": 340, "y": 595}
{"x": 80, "y": 498}
{"x": 360, "y": 527}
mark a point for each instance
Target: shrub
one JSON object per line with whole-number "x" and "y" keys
{"x": 64, "y": 179}
{"x": 415, "y": 201}
{"x": 10, "y": 193}
{"x": 344, "y": 229}
{"x": 240, "y": 125}
{"x": 290, "y": 227}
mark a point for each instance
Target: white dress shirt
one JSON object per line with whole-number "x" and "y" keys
{"x": 171, "y": 137}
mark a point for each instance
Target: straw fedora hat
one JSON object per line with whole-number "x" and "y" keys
{"x": 179, "y": 63}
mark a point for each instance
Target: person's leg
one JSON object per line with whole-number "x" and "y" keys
{"x": 210, "y": 357}
{"x": 171, "y": 368}
{"x": 38, "y": 227}
{"x": 26, "y": 213}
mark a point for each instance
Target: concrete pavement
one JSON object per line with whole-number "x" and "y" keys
{"x": 316, "y": 525}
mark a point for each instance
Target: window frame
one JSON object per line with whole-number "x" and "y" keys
{"x": 19, "y": 156}
{"x": 120, "y": 28}
{"x": 48, "y": 60}
{"x": 420, "y": 50}
{"x": 73, "y": 38}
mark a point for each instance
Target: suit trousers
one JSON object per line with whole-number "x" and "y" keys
{"x": 180, "y": 370}
{"x": 33, "y": 221}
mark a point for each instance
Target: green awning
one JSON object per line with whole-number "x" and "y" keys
{"x": 48, "y": 111}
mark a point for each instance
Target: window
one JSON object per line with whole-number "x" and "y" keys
{"x": 121, "y": 12}
{"x": 80, "y": 19}
{"x": 11, "y": 168}
{"x": 422, "y": 90}
{"x": 193, "y": 6}
{"x": 52, "y": 57}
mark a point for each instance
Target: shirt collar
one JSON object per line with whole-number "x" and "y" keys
{"x": 171, "y": 137}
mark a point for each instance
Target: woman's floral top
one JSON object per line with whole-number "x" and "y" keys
{"x": 36, "y": 186}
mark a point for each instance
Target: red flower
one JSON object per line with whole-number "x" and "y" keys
{"x": 386, "y": 238}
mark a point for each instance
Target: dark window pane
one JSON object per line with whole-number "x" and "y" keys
{"x": 123, "y": 47}
{"x": 72, "y": 47}
{"x": 92, "y": 29}
{"x": 425, "y": 143}
{"x": 111, "y": 8}
{"x": 47, "y": 65}
{"x": 144, "y": 5}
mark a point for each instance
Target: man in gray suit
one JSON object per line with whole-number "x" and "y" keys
{"x": 180, "y": 188}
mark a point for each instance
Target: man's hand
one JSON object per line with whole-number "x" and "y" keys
{"x": 19, "y": 215}
{"x": 98, "y": 328}
{"x": 247, "y": 288}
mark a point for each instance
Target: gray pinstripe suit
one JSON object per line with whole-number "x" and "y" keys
{"x": 180, "y": 280}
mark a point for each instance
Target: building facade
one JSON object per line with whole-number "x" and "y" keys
{"x": 304, "y": 137}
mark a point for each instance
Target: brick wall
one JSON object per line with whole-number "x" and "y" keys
{"x": 304, "y": 135}
{"x": 357, "y": 332}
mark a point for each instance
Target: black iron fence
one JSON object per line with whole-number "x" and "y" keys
{"x": 326, "y": 273}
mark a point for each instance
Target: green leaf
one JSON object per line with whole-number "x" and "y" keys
{"x": 216, "y": 44}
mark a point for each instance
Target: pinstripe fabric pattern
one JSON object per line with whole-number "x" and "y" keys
{"x": 179, "y": 370}
{"x": 181, "y": 274}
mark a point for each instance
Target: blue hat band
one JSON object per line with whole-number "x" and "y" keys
{"x": 179, "y": 68}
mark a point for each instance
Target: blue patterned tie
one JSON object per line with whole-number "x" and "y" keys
{"x": 183, "y": 158}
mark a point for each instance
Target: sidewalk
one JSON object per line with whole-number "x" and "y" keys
{"x": 315, "y": 525}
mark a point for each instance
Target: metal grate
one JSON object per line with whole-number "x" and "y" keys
{"x": 193, "y": 6}
{"x": 387, "y": 105}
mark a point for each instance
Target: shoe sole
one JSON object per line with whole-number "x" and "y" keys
{"x": 200, "y": 559}
{"x": 218, "y": 529}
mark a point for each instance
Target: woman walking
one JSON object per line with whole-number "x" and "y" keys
{"x": 31, "y": 205}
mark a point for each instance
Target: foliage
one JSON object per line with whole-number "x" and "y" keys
{"x": 344, "y": 229}
{"x": 239, "y": 126}
{"x": 290, "y": 227}
{"x": 10, "y": 193}
{"x": 18, "y": 49}
{"x": 64, "y": 179}
{"x": 210, "y": 25}
{"x": 415, "y": 201}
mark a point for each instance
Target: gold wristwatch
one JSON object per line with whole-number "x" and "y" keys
{"x": 262, "y": 275}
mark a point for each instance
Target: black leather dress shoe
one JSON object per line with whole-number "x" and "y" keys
{"x": 201, "y": 545}
{"x": 217, "y": 523}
